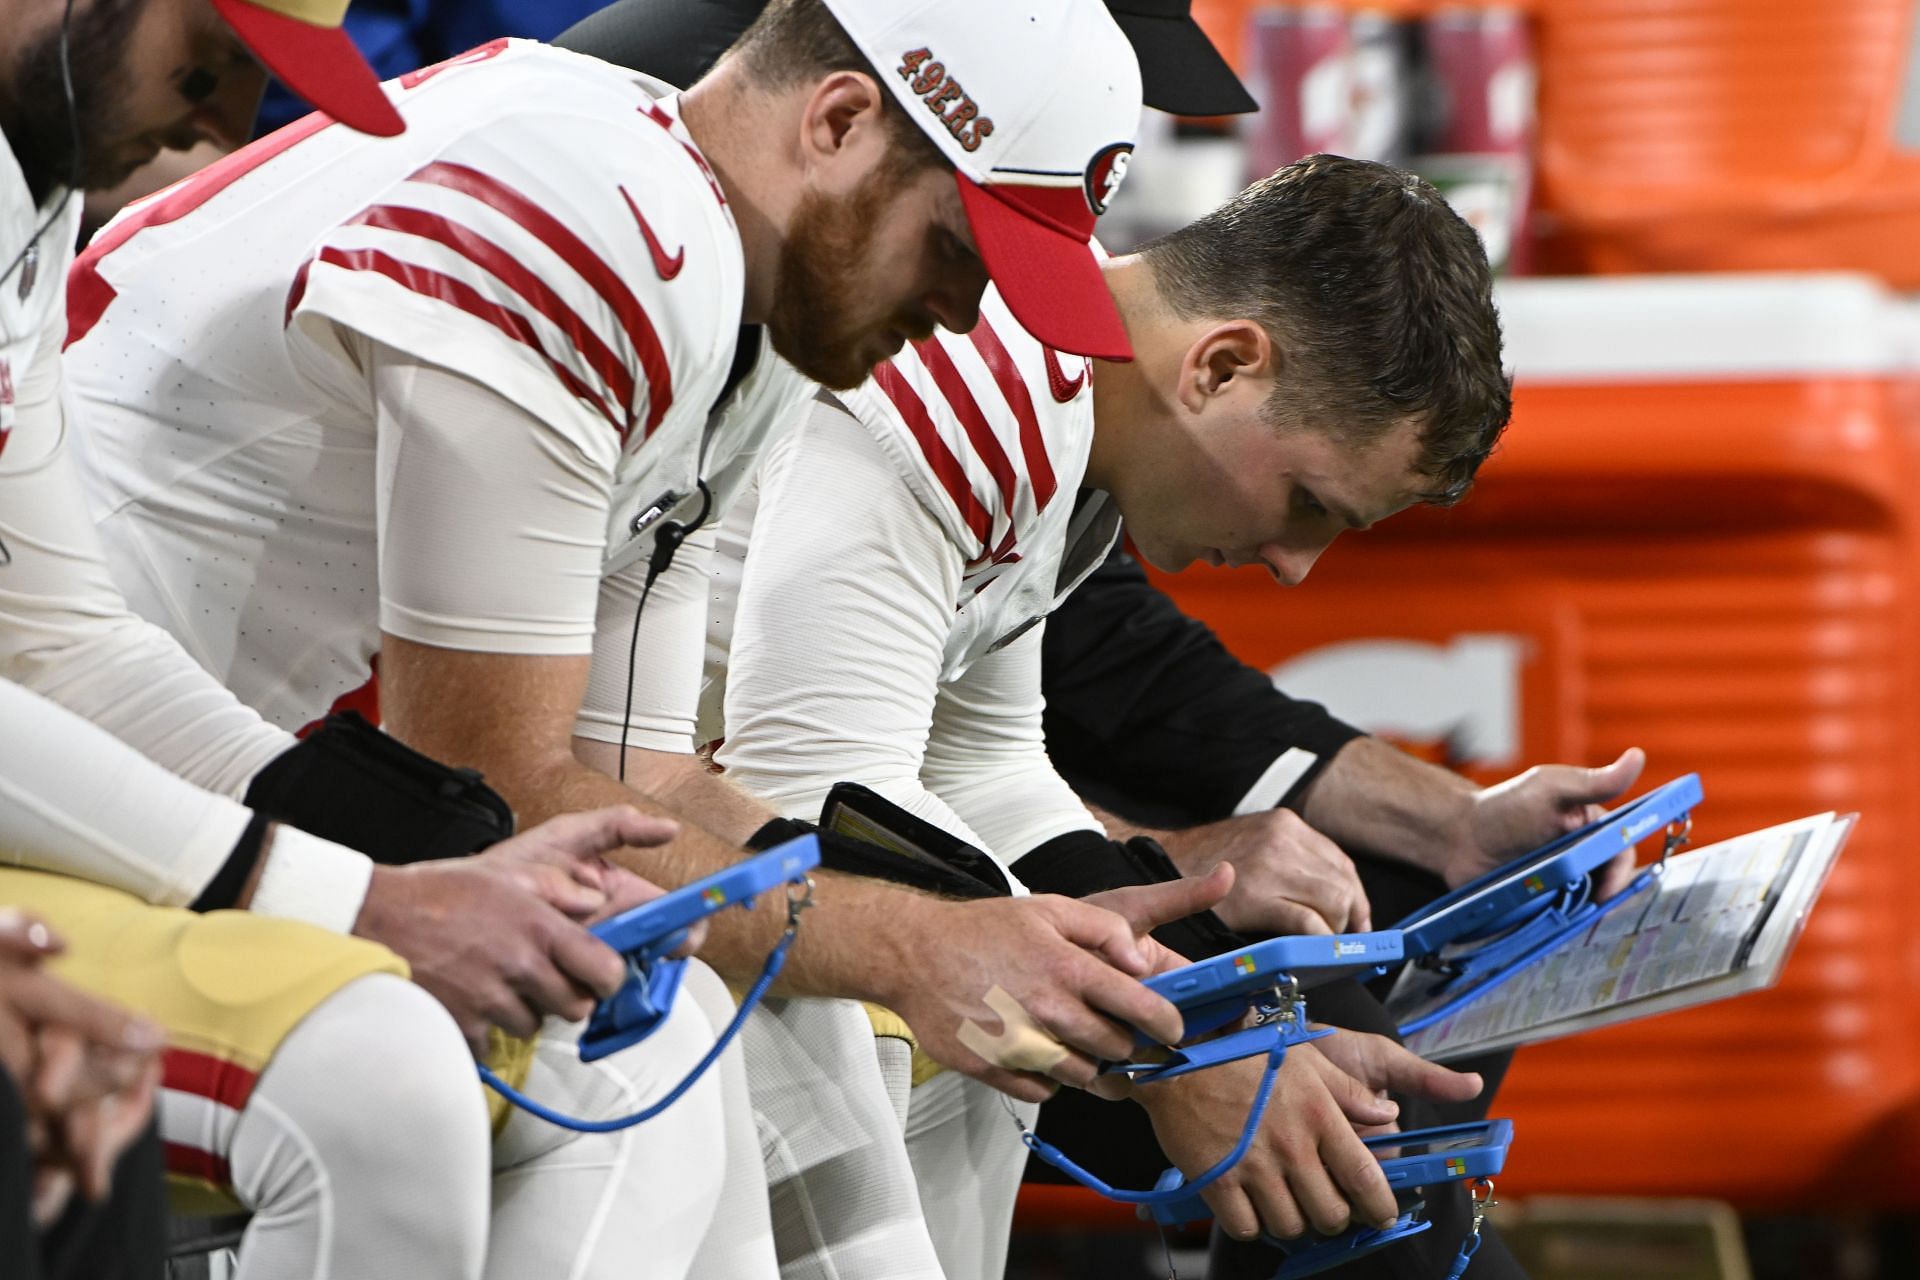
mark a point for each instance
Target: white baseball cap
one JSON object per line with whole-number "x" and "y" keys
{"x": 1036, "y": 103}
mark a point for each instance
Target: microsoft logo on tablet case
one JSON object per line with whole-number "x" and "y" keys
{"x": 1349, "y": 949}
{"x": 1243, "y": 964}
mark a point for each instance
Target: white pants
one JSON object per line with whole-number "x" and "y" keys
{"x": 364, "y": 1153}
{"x": 869, "y": 1181}
{"x": 844, "y": 1202}
{"x": 967, "y": 1160}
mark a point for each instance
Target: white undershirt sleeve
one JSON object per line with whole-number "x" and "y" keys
{"x": 66, "y": 632}
{"x": 987, "y": 756}
{"x": 843, "y": 615}
{"x": 521, "y": 572}
{"x": 665, "y": 663}
{"x": 76, "y": 801}
{"x": 492, "y": 525}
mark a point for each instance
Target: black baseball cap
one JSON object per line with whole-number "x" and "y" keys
{"x": 678, "y": 40}
{"x": 1180, "y": 69}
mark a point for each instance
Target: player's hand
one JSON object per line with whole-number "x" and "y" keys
{"x": 1290, "y": 878}
{"x": 1145, "y": 907}
{"x": 81, "y": 1152}
{"x": 87, "y": 1069}
{"x": 1532, "y": 808}
{"x": 1307, "y": 1165}
{"x": 1384, "y": 1066}
{"x": 1072, "y": 967}
{"x": 497, "y": 937}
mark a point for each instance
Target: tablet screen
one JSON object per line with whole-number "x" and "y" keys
{"x": 1462, "y": 1138}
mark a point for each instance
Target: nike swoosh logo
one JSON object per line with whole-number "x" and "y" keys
{"x": 1063, "y": 390}
{"x": 667, "y": 267}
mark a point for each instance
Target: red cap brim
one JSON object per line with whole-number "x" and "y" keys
{"x": 318, "y": 63}
{"x": 1049, "y": 278}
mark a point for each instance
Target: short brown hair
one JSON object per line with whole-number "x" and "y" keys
{"x": 1376, "y": 291}
{"x": 796, "y": 42}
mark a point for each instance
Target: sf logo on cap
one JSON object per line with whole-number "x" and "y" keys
{"x": 1105, "y": 173}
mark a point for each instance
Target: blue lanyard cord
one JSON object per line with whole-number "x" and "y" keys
{"x": 1468, "y": 1247}
{"x": 1065, "y": 1163}
{"x": 776, "y": 960}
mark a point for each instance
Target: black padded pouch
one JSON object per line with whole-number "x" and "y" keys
{"x": 864, "y": 834}
{"x": 352, "y": 784}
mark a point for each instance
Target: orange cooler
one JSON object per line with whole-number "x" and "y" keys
{"x": 1700, "y": 537}
{"x": 1731, "y": 134}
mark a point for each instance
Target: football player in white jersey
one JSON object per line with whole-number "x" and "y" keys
{"x": 306, "y": 1080}
{"x": 442, "y": 386}
{"x": 935, "y": 515}
{"x": 450, "y": 384}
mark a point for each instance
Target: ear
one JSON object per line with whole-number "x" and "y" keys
{"x": 842, "y": 129}
{"x": 1230, "y": 353}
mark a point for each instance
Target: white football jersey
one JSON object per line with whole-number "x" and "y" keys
{"x": 926, "y": 522}
{"x": 545, "y": 228}
{"x": 30, "y": 293}
{"x": 991, "y": 430}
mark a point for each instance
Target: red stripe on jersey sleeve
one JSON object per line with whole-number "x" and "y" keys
{"x": 576, "y": 253}
{"x": 491, "y": 258}
{"x": 959, "y": 398}
{"x": 89, "y": 295}
{"x": 191, "y": 1162}
{"x": 1032, "y": 444}
{"x": 913, "y": 411}
{"x": 204, "y": 1076}
{"x": 458, "y": 293}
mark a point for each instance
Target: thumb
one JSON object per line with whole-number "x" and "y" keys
{"x": 1608, "y": 781}
{"x": 1148, "y": 906}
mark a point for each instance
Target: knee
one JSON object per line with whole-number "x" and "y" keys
{"x": 380, "y": 1069}
{"x": 709, "y": 992}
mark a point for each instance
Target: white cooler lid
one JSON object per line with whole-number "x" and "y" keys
{"x": 1669, "y": 328}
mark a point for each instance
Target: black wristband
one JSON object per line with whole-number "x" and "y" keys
{"x": 224, "y": 889}
{"x": 778, "y": 831}
{"x": 1085, "y": 862}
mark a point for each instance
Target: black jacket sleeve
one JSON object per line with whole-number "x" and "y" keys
{"x": 1149, "y": 715}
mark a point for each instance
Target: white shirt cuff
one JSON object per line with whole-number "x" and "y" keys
{"x": 307, "y": 878}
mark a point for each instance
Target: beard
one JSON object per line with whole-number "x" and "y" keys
{"x": 33, "y": 108}
{"x": 822, "y": 321}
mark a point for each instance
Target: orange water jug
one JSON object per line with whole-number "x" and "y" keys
{"x": 1730, "y": 135}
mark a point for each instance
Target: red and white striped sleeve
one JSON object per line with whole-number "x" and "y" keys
{"x": 960, "y": 417}
{"x": 589, "y": 294}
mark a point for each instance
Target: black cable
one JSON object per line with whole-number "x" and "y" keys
{"x": 665, "y": 543}
{"x": 73, "y": 156}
